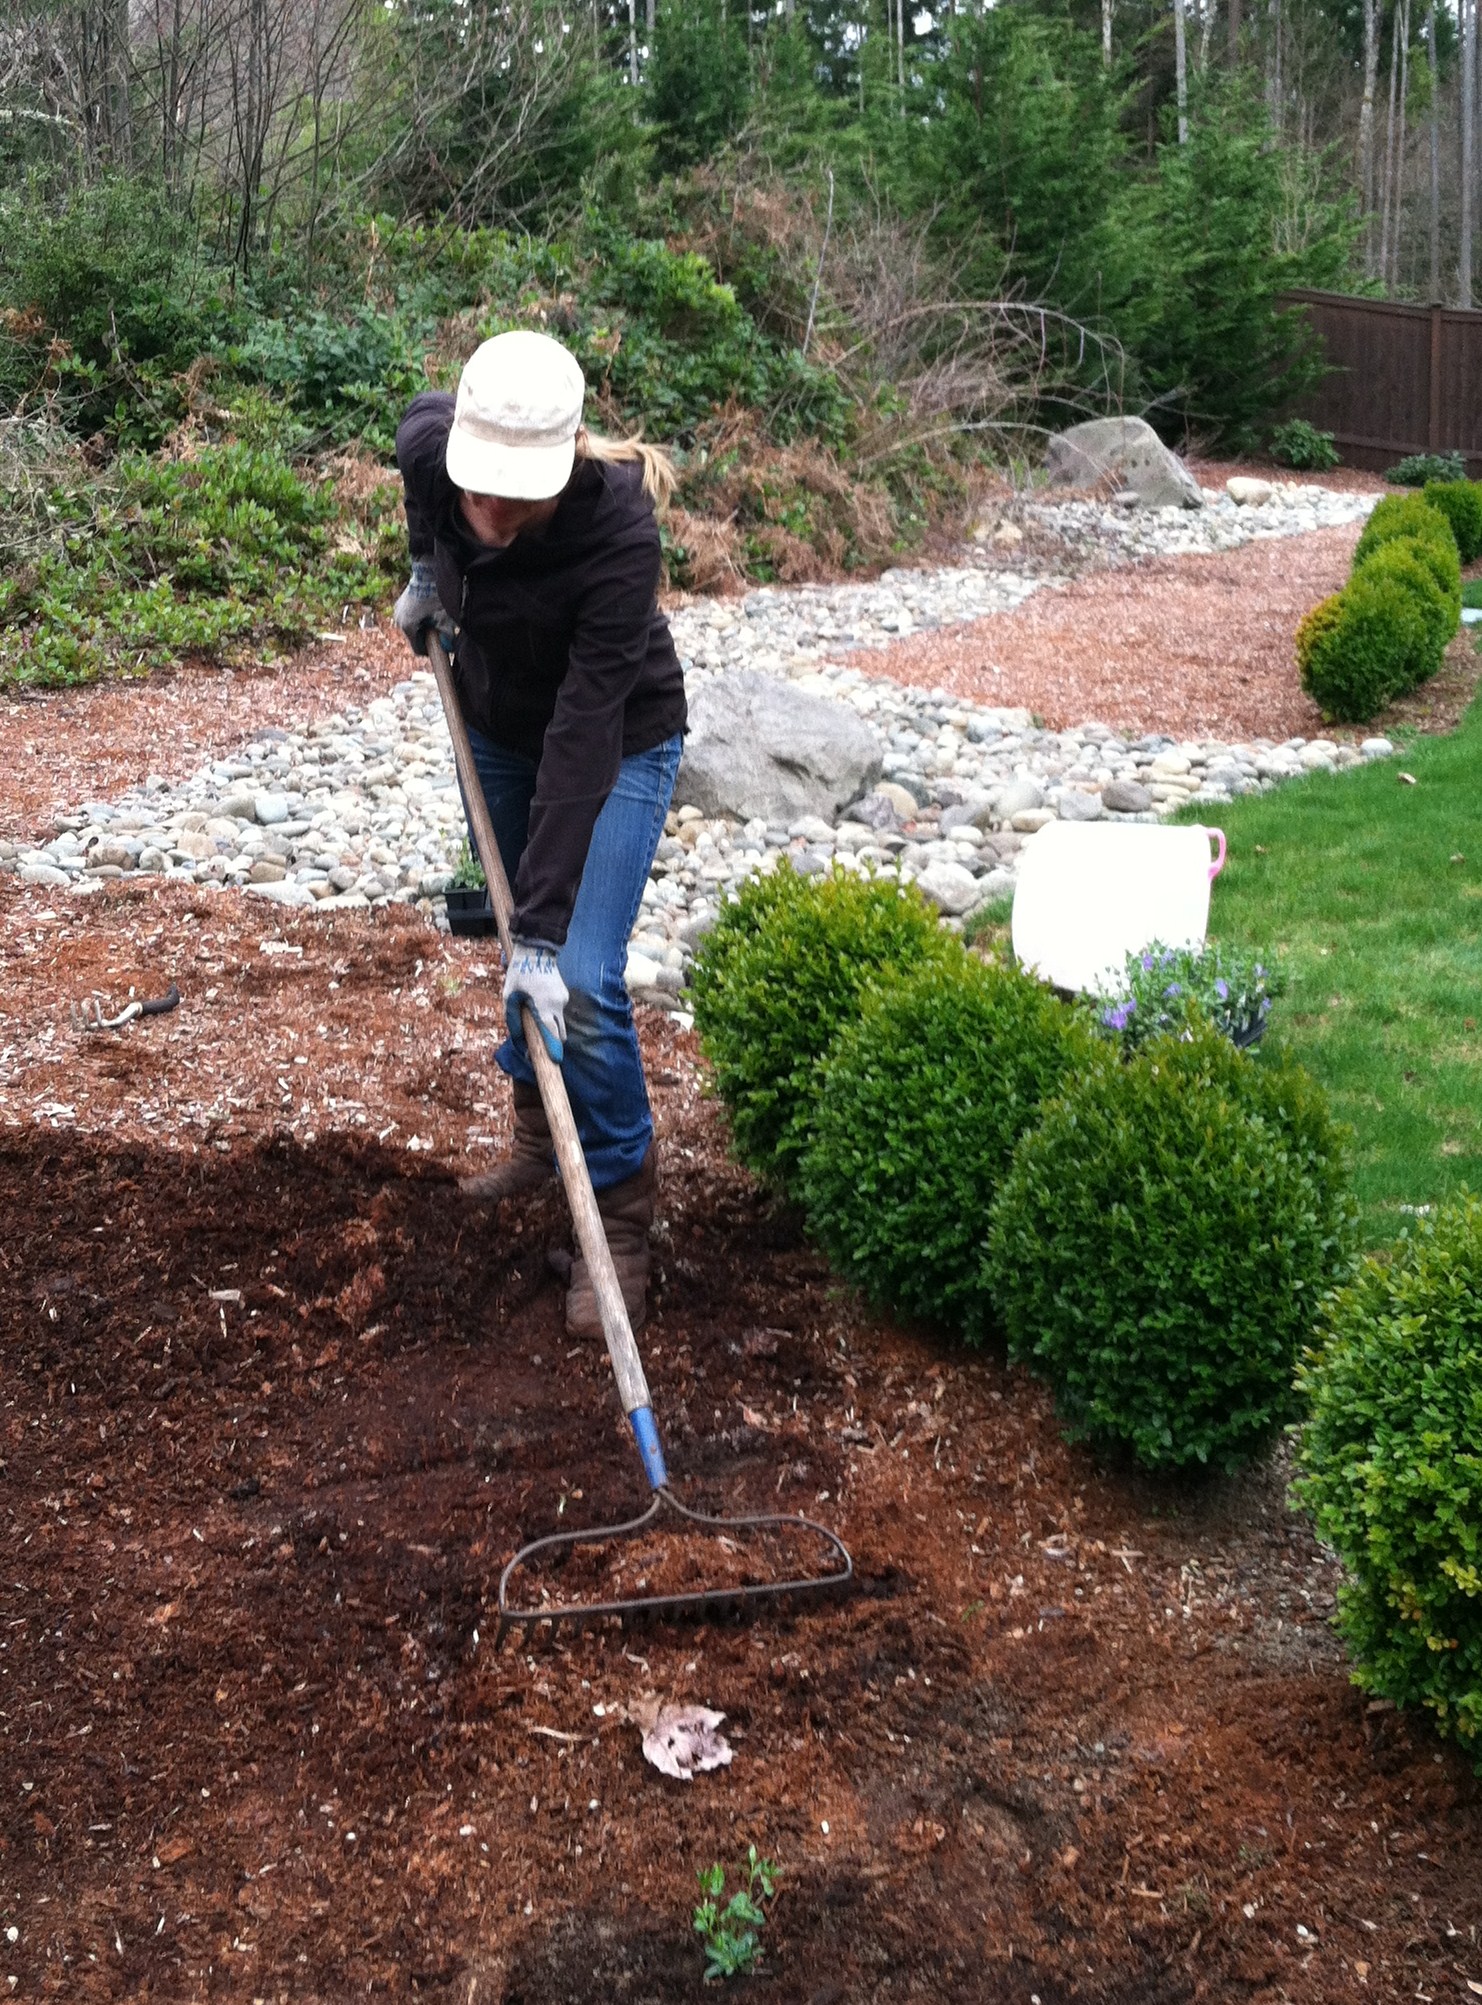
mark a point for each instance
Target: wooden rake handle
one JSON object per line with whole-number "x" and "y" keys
{"x": 627, "y": 1366}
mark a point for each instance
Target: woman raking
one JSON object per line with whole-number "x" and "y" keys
{"x": 537, "y": 543}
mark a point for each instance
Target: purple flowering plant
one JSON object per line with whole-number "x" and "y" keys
{"x": 1175, "y": 988}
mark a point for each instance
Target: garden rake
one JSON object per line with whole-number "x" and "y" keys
{"x": 745, "y": 1598}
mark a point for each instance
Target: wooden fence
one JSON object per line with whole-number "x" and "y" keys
{"x": 1403, "y": 379}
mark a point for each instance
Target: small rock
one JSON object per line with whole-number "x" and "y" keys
{"x": 900, "y": 798}
{"x": 1247, "y": 492}
{"x": 287, "y": 893}
{"x": 996, "y": 883}
{"x": 1377, "y": 748}
{"x": 1076, "y": 806}
{"x": 1017, "y": 797}
{"x": 876, "y": 810}
{"x": 265, "y": 871}
{"x": 239, "y": 807}
{"x": 950, "y": 886}
{"x": 1126, "y": 797}
{"x": 271, "y": 809}
{"x": 1031, "y": 820}
{"x": 641, "y": 972}
{"x": 43, "y": 873}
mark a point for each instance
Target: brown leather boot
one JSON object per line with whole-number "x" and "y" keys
{"x": 627, "y": 1213}
{"x": 530, "y": 1162}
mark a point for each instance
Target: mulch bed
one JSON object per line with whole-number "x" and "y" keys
{"x": 276, "y": 1406}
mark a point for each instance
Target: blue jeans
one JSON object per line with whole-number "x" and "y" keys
{"x": 601, "y": 1066}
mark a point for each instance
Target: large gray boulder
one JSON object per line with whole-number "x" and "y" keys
{"x": 758, "y": 747}
{"x": 1127, "y": 451}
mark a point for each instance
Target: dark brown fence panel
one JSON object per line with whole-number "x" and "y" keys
{"x": 1403, "y": 379}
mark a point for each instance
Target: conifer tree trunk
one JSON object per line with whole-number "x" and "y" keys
{"x": 1399, "y": 194}
{"x": 1275, "y": 89}
{"x": 1366, "y": 126}
{"x": 1387, "y": 191}
{"x": 1430, "y": 40}
{"x": 1468, "y": 12}
{"x": 1181, "y": 72}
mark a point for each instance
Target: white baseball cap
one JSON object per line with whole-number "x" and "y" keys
{"x": 516, "y": 418}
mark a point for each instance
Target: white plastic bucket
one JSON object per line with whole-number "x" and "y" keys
{"x": 1091, "y": 893}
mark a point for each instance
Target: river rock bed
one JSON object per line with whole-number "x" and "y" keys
{"x": 361, "y": 808}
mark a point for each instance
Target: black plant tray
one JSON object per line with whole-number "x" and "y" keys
{"x": 469, "y": 911}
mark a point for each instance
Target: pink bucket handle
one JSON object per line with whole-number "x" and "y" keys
{"x": 1219, "y": 863}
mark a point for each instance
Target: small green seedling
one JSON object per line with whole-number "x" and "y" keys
{"x": 729, "y": 1933}
{"x": 468, "y": 872}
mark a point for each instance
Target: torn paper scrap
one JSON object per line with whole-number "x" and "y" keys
{"x": 682, "y": 1741}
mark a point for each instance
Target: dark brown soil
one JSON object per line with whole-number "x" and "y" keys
{"x": 274, "y": 1408}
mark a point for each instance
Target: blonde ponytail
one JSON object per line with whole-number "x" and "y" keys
{"x": 658, "y": 468}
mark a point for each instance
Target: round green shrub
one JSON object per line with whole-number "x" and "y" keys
{"x": 1372, "y": 652}
{"x": 1392, "y": 1462}
{"x": 736, "y": 926}
{"x": 1427, "y": 573}
{"x": 777, "y": 979}
{"x": 924, "y": 1097}
{"x": 1402, "y": 515}
{"x": 1460, "y": 501}
{"x": 1325, "y": 618}
{"x": 1161, "y": 1245}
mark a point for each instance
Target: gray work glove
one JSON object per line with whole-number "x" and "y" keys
{"x": 533, "y": 977}
{"x": 419, "y": 609}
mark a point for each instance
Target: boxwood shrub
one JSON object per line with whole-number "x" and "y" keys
{"x": 776, "y": 980}
{"x": 924, "y": 1097}
{"x": 1402, "y": 515}
{"x": 1363, "y": 649}
{"x": 1432, "y": 577}
{"x": 1161, "y": 1245}
{"x": 1392, "y": 1467}
{"x": 1460, "y": 501}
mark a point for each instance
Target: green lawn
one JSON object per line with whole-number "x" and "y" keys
{"x": 1370, "y": 892}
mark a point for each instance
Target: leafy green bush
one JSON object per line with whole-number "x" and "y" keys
{"x": 169, "y": 557}
{"x": 1162, "y": 1242}
{"x": 1460, "y": 501}
{"x": 1301, "y": 445}
{"x": 1403, "y": 515}
{"x": 352, "y": 377}
{"x": 107, "y": 295}
{"x": 1366, "y": 648}
{"x": 924, "y": 1096}
{"x": 1392, "y": 1462}
{"x": 1164, "y": 989}
{"x": 1421, "y": 468}
{"x": 1431, "y": 576}
{"x": 780, "y": 976}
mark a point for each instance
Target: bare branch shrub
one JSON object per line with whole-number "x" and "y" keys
{"x": 924, "y": 365}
